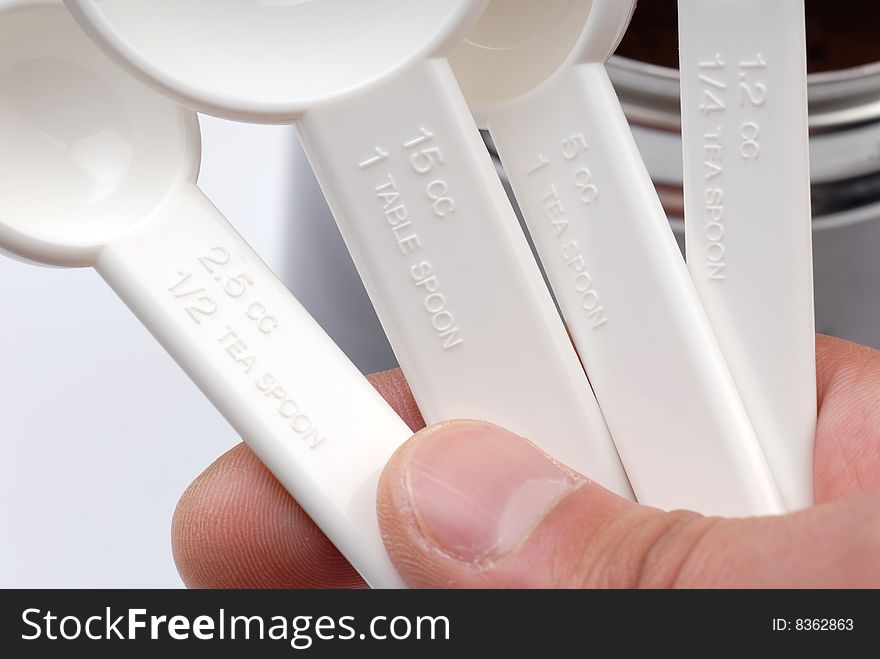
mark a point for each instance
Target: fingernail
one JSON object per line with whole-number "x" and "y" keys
{"x": 477, "y": 490}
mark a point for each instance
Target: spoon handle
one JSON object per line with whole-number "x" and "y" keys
{"x": 267, "y": 366}
{"x": 448, "y": 268}
{"x": 748, "y": 215}
{"x": 666, "y": 392}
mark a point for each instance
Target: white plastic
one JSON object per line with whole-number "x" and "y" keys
{"x": 534, "y": 74}
{"x": 96, "y": 170}
{"x": 747, "y": 214}
{"x": 413, "y": 190}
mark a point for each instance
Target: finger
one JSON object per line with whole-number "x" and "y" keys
{"x": 847, "y": 449}
{"x": 236, "y": 527}
{"x": 468, "y": 504}
{"x": 395, "y": 390}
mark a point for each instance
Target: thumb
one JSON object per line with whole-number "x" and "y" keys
{"x": 469, "y": 504}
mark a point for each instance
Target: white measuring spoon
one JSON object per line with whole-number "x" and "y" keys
{"x": 414, "y": 192}
{"x": 97, "y": 170}
{"x": 748, "y": 217}
{"x": 534, "y": 74}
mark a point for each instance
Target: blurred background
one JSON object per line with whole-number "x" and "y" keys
{"x": 102, "y": 431}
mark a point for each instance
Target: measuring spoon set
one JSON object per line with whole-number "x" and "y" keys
{"x": 679, "y": 389}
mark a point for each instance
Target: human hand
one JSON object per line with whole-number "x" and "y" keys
{"x": 467, "y": 504}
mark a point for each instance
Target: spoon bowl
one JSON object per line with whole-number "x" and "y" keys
{"x": 88, "y": 153}
{"x": 282, "y": 57}
{"x": 533, "y": 39}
